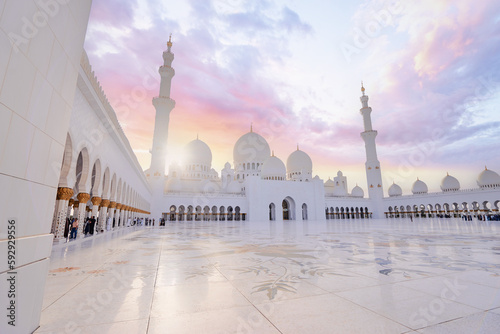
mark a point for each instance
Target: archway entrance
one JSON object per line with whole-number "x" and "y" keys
{"x": 272, "y": 211}
{"x": 288, "y": 209}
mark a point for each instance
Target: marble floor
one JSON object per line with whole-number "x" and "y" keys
{"x": 357, "y": 276}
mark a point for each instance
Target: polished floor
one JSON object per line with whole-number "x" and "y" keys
{"x": 358, "y": 276}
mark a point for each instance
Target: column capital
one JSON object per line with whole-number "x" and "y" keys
{"x": 104, "y": 203}
{"x": 83, "y": 197}
{"x": 64, "y": 193}
{"x": 112, "y": 205}
{"x": 118, "y": 206}
{"x": 96, "y": 200}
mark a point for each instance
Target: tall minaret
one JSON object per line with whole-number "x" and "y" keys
{"x": 373, "y": 172}
{"x": 163, "y": 105}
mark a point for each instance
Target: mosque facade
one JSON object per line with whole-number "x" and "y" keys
{"x": 259, "y": 185}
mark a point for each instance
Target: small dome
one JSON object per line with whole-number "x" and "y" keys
{"x": 419, "y": 187}
{"x": 329, "y": 183}
{"x": 197, "y": 152}
{"x": 273, "y": 168}
{"x": 488, "y": 179}
{"x": 395, "y": 190}
{"x": 234, "y": 187}
{"x": 227, "y": 165}
{"x": 251, "y": 147}
{"x": 357, "y": 192}
{"x": 340, "y": 174}
{"x": 299, "y": 161}
{"x": 173, "y": 185}
{"x": 449, "y": 183}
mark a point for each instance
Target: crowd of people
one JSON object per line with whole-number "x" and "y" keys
{"x": 90, "y": 225}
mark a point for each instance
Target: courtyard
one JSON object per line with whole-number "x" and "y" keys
{"x": 335, "y": 276}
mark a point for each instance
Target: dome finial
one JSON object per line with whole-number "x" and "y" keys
{"x": 362, "y": 88}
{"x": 485, "y": 167}
{"x": 197, "y": 137}
{"x": 273, "y": 153}
{"x": 297, "y": 146}
{"x": 251, "y": 126}
{"x": 169, "y": 43}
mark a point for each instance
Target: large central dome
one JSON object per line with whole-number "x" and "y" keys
{"x": 251, "y": 147}
{"x": 197, "y": 152}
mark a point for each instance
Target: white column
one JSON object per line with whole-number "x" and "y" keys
{"x": 61, "y": 212}
{"x": 103, "y": 214}
{"x": 83, "y": 198}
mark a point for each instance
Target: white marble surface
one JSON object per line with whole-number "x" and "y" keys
{"x": 377, "y": 276}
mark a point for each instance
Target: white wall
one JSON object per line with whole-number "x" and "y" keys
{"x": 37, "y": 84}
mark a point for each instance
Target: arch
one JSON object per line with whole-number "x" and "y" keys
{"x": 66, "y": 162}
{"x": 222, "y": 213}
{"x": 172, "y": 214}
{"x": 105, "y": 183}
{"x": 119, "y": 191}
{"x": 82, "y": 171}
{"x": 272, "y": 211}
{"x": 229, "y": 213}
{"x": 206, "y": 213}
{"x": 189, "y": 215}
{"x": 214, "y": 213}
{"x": 181, "y": 212}
{"x": 288, "y": 206}
{"x": 304, "y": 212}
{"x": 112, "y": 193}
{"x": 237, "y": 213}
{"x": 96, "y": 178}
{"x": 197, "y": 214}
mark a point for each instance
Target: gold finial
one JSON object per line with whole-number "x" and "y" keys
{"x": 251, "y": 127}
{"x": 485, "y": 167}
{"x": 197, "y": 136}
{"x": 169, "y": 43}
{"x": 362, "y": 88}
{"x": 273, "y": 153}
{"x": 297, "y": 146}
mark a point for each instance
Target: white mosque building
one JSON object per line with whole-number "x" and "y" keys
{"x": 260, "y": 186}
{"x": 63, "y": 154}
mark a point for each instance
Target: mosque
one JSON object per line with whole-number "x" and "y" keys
{"x": 64, "y": 154}
{"x": 259, "y": 186}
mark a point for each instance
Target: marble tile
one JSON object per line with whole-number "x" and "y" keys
{"x": 479, "y": 323}
{"x": 409, "y": 307}
{"x": 452, "y": 288}
{"x": 245, "y": 319}
{"x": 326, "y": 314}
{"x": 134, "y": 326}
{"x": 196, "y": 297}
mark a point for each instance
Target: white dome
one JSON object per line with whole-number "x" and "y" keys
{"x": 173, "y": 185}
{"x": 197, "y": 152}
{"x": 234, "y": 187}
{"x": 488, "y": 179}
{"x": 357, "y": 192}
{"x": 329, "y": 183}
{"x": 251, "y": 147}
{"x": 395, "y": 190}
{"x": 299, "y": 161}
{"x": 449, "y": 183}
{"x": 419, "y": 187}
{"x": 273, "y": 167}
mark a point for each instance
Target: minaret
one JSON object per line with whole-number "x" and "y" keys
{"x": 163, "y": 105}
{"x": 373, "y": 172}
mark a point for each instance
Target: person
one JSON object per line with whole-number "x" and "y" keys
{"x": 74, "y": 228}
{"x": 92, "y": 225}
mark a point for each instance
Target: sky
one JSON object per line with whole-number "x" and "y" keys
{"x": 294, "y": 68}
